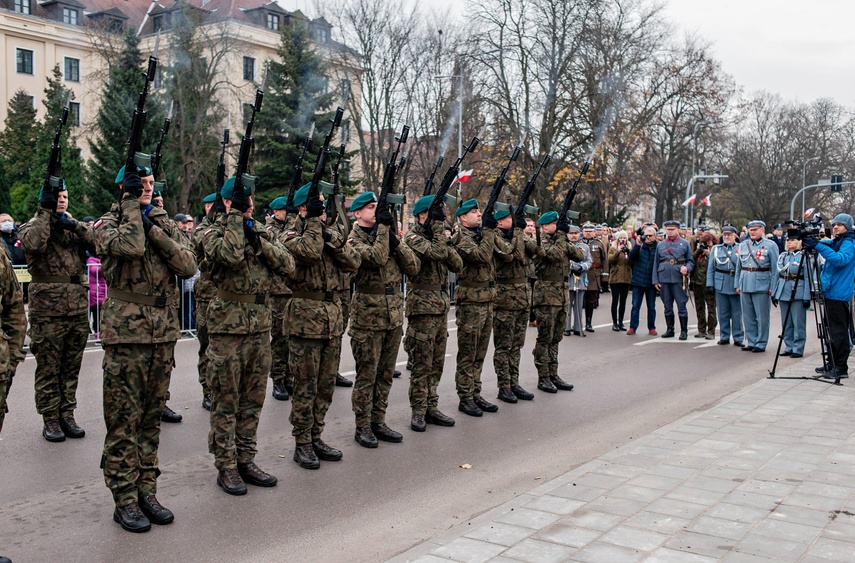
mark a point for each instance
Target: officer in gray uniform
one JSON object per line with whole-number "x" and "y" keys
{"x": 672, "y": 264}
{"x": 754, "y": 276}
{"x": 578, "y": 285}
{"x": 721, "y": 278}
{"x": 794, "y": 324}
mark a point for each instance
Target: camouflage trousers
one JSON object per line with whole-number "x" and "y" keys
{"x": 204, "y": 364}
{"x": 375, "y": 353}
{"x": 238, "y": 382}
{"x": 425, "y": 343}
{"x": 550, "y": 331}
{"x": 279, "y": 339}
{"x": 509, "y": 327}
{"x": 705, "y": 307}
{"x": 474, "y": 325}
{"x": 57, "y": 343}
{"x": 136, "y": 382}
{"x": 313, "y": 364}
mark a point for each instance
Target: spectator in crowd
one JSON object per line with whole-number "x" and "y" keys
{"x": 184, "y": 223}
{"x": 97, "y": 293}
{"x": 14, "y": 250}
{"x": 778, "y": 236}
{"x": 641, "y": 260}
{"x": 704, "y": 298}
{"x": 620, "y": 276}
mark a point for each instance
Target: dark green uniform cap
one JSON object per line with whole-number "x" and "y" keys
{"x": 422, "y": 205}
{"x": 362, "y": 200}
{"x": 501, "y": 214}
{"x": 467, "y": 206}
{"x": 301, "y": 195}
{"x": 210, "y": 198}
{"x": 229, "y": 189}
{"x": 143, "y": 172}
{"x": 278, "y": 203}
{"x": 548, "y": 217}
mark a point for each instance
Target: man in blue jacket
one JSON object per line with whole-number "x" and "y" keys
{"x": 641, "y": 257}
{"x": 838, "y": 274}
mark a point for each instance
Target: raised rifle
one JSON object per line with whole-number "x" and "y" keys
{"x": 571, "y": 193}
{"x": 221, "y": 165}
{"x": 324, "y": 156}
{"x": 388, "y": 183}
{"x": 447, "y": 180}
{"x": 489, "y": 209}
{"x": 158, "y": 152}
{"x": 429, "y": 184}
{"x": 332, "y": 208}
{"x": 135, "y": 158}
{"x": 530, "y": 186}
{"x": 297, "y": 178}
{"x": 242, "y": 179}
{"x": 53, "y": 180}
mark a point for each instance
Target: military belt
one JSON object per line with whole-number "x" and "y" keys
{"x": 554, "y": 278}
{"x": 377, "y": 289}
{"x": 755, "y": 269}
{"x": 790, "y": 277}
{"x": 676, "y": 261}
{"x": 426, "y": 286}
{"x": 138, "y": 298}
{"x": 726, "y": 272}
{"x": 60, "y": 279}
{"x": 314, "y": 295}
{"x": 509, "y": 281}
{"x": 253, "y": 298}
{"x": 476, "y": 285}
{"x": 597, "y": 265}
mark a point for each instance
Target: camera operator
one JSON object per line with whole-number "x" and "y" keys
{"x": 837, "y": 275}
{"x": 704, "y": 298}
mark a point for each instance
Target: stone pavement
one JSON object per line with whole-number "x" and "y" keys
{"x": 768, "y": 474}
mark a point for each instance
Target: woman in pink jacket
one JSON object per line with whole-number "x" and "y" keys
{"x": 97, "y": 293}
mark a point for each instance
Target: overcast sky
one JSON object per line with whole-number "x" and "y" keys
{"x": 801, "y": 49}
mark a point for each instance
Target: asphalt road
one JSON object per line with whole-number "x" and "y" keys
{"x": 375, "y": 503}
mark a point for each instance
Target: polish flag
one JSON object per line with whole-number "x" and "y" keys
{"x": 689, "y": 201}
{"x": 810, "y": 211}
{"x": 464, "y": 175}
{"x": 706, "y": 200}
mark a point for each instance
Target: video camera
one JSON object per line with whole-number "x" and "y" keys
{"x": 803, "y": 230}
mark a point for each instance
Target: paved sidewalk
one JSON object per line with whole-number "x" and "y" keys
{"x": 768, "y": 474}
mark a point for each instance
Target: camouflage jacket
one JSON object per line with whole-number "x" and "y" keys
{"x": 204, "y": 288}
{"x": 553, "y": 269}
{"x": 242, "y": 271}
{"x": 142, "y": 265}
{"x": 476, "y": 281}
{"x": 437, "y": 257}
{"x": 314, "y": 310}
{"x": 378, "y": 303}
{"x": 277, "y": 229}
{"x": 13, "y": 322}
{"x": 513, "y": 291}
{"x": 61, "y": 254}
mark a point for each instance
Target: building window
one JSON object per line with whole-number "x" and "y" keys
{"x": 157, "y": 23}
{"x": 322, "y": 35}
{"x": 248, "y": 68}
{"x": 273, "y": 22}
{"x": 115, "y": 25}
{"x": 70, "y": 16}
{"x": 74, "y": 112}
{"x": 22, "y": 6}
{"x": 25, "y": 61}
{"x": 345, "y": 88}
{"x": 72, "y": 69}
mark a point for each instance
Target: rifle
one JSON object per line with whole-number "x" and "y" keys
{"x": 297, "y": 178}
{"x": 221, "y": 165}
{"x": 332, "y": 209}
{"x": 136, "y": 159}
{"x": 52, "y": 179}
{"x": 571, "y": 193}
{"x": 500, "y": 182}
{"x": 530, "y": 186}
{"x": 447, "y": 180}
{"x": 242, "y": 179}
{"x": 324, "y": 155}
{"x": 430, "y": 182}
{"x": 388, "y": 183}
{"x": 156, "y": 157}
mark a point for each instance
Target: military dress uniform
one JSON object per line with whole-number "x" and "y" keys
{"x": 13, "y": 327}
{"x": 721, "y": 279}
{"x": 56, "y": 248}
{"x": 203, "y": 291}
{"x": 671, "y": 255}
{"x": 427, "y": 307}
{"x": 599, "y": 265}
{"x": 280, "y": 294}
{"x": 577, "y": 285}
{"x": 139, "y": 328}
{"x": 754, "y": 278}
{"x": 791, "y": 273}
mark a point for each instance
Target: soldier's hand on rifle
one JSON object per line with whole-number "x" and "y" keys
{"x": 394, "y": 241}
{"x": 250, "y": 234}
{"x": 437, "y": 214}
{"x": 219, "y": 206}
{"x": 314, "y": 208}
{"x": 146, "y": 222}
{"x": 48, "y": 199}
{"x": 488, "y": 221}
{"x": 428, "y": 232}
{"x": 325, "y": 234}
{"x": 519, "y": 219}
{"x": 563, "y": 226}
{"x": 132, "y": 185}
{"x": 240, "y": 200}
{"x": 65, "y": 223}
{"x": 385, "y": 217}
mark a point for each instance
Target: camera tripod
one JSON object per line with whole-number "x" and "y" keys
{"x": 809, "y": 272}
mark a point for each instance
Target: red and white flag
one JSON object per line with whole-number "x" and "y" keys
{"x": 689, "y": 201}
{"x": 706, "y": 200}
{"x": 464, "y": 175}
{"x": 810, "y": 211}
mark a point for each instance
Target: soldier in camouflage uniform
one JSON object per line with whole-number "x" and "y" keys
{"x": 13, "y": 326}
{"x": 55, "y": 246}
{"x": 280, "y": 294}
{"x": 244, "y": 258}
{"x": 315, "y": 325}
{"x": 551, "y": 293}
{"x": 476, "y": 289}
{"x": 204, "y": 291}
{"x": 378, "y": 315}
{"x": 143, "y": 252}
{"x": 427, "y": 313}
{"x": 511, "y": 306}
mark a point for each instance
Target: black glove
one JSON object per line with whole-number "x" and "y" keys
{"x": 314, "y": 208}
{"x": 48, "y": 199}
{"x": 428, "y": 232}
{"x": 806, "y": 304}
{"x": 437, "y": 214}
{"x": 291, "y": 209}
{"x": 240, "y": 200}
{"x": 325, "y": 234}
{"x": 219, "y": 206}
{"x": 519, "y": 221}
{"x": 488, "y": 221}
{"x": 774, "y": 302}
{"x": 810, "y": 242}
{"x": 563, "y": 226}
{"x": 385, "y": 217}
{"x": 394, "y": 241}
{"x": 509, "y": 235}
{"x": 65, "y": 223}
{"x": 132, "y": 185}
{"x": 250, "y": 234}
{"x": 146, "y": 222}
{"x": 576, "y": 268}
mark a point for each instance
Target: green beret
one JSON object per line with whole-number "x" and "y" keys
{"x": 422, "y": 205}
{"x": 301, "y": 195}
{"x": 143, "y": 172}
{"x": 501, "y": 214}
{"x": 229, "y": 189}
{"x": 362, "y": 200}
{"x": 210, "y": 198}
{"x": 467, "y": 206}
{"x": 548, "y": 217}
{"x": 61, "y": 188}
{"x": 278, "y": 203}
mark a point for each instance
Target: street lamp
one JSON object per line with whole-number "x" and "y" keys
{"x": 804, "y": 180}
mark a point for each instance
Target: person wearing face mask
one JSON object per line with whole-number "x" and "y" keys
{"x": 56, "y": 247}
{"x": 9, "y": 234}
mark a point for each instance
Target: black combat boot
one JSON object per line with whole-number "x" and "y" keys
{"x": 484, "y": 404}
{"x": 545, "y": 384}
{"x": 279, "y": 391}
{"x": 684, "y": 328}
{"x": 469, "y": 407}
{"x": 53, "y": 432}
{"x": 169, "y": 415}
{"x": 342, "y": 381}
{"x": 438, "y": 418}
{"x": 365, "y": 437}
{"x": 521, "y": 393}
{"x": 417, "y": 423}
{"x": 383, "y": 432}
{"x": 325, "y": 452}
{"x": 396, "y": 374}
{"x": 254, "y": 475}
{"x": 305, "y": 456}
{"x": 506, "y": 395}
{"x": 131, "y": 518}
{"x": 154, "y": 511}
{"x": 230, "y": 481}
{"x": 70, "y": 427}
{"x": 206, "y": 402}
{"x": 669, "y": 322}
{"x": 560, "y": 383}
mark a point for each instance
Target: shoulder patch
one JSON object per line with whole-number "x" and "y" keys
{"x": 350, "y": 239}
{"x": 208, "y": 231}
{"x": 98, "y": 223}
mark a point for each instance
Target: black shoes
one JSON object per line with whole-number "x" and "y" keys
{"x": 545, "y": 384}
{"x": 568, "y": 332}
{"x": 560, "y": 383}
{"x": 396, "y": 374}
{"x": 748, "y": 348}
{"x": 325, "y": 452}
{"x": 230, "y": 481}
{"x": 131, "y": 518}
{"x": 342, "y": 381}
{"x": 417, "y": 423}
{"x": 438, "y": 418}
{"x": 796, "y": 355}
{"x": 521, "y": 393}
{"x": 669, "y": 323}
{"x": 484, "y": 404}
{"x": 506, "y": 395}
{"x": 169, "y": 415}
{"x": 252, "y": 474}
{"x": 723, "y": 342}
{"x": 206, "y": 402}
{"x": 758, "y": 350}
{"x": 280, "y": 393}
{"x": 622, "y": 327}
{"x": 365, "y": 437}
{"x": 469, "y": 407}
{"x": 305, "y": 457}
{"x": 615, "y": 327}
{"x": 70, "y": 428}
{"x": 155, "y": 512}
{"x": 785, "y": 353}
{"x": 589, "y": 328}
{"x": 409, "y": 365}
{"x": 383, "y": 432}
{"x": 740, "y": 344}
{"x": 53, "y": 432}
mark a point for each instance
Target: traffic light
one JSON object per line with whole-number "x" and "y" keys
{"x": 836, "y": 182}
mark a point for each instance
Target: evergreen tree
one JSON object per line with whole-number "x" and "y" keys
{"x": 296, "y": 94}
{"x": 5, "y": 198}
{"x": 17, "y": 146}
